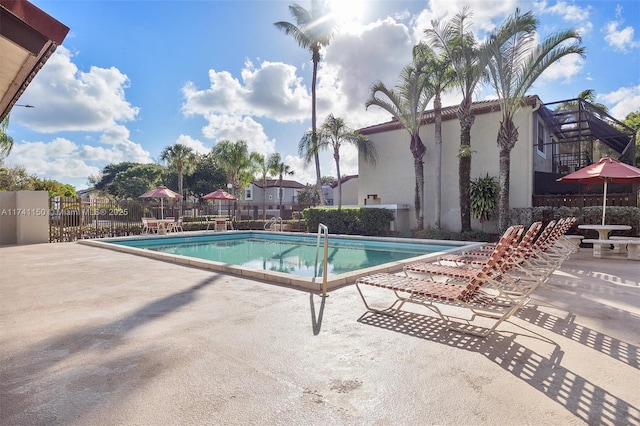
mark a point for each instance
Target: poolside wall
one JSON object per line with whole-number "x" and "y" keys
{"x": 24, "y": 217}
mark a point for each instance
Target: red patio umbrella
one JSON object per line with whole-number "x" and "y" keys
{"x": 161, "y": 192}
{"x": 606, "y": 170}
{"x": 219, "y": 194}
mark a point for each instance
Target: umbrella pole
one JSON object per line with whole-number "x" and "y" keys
{"x": 604, "y": 200}
{"x": 161, "y": 208}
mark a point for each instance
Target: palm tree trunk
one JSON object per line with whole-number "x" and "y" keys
{"x": 464, "y": 164}
{"x": 280, "y": 194}
{"x": 314, "y": 134}
{"x": 419, "y": 196}
{"x": 437, "y": 107}
{"x": 337, "y": 158}
{"x": 418, "y": 150}
{"x": 503, "y": 194}
{"x": 264, "y": 199}
{"x": 180, "y": 180}
{"x": 507, "y": 137}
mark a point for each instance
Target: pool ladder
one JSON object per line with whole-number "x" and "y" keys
{"x": 272, "y": 224}
{"x": 322, "y": 230}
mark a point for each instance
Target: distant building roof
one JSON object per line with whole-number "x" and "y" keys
{"x": 275, "y": 183}
{"x": 343, "y": 179}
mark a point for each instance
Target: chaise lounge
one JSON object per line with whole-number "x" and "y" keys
{"x": 482, "y": 295}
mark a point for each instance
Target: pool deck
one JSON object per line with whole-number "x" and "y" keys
{"x": 97, "y": 337}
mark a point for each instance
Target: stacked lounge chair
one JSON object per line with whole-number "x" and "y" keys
{"x": 493, "y": 282}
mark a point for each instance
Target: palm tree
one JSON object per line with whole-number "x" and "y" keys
{"x": 517, "y": 61}
{"x": 313, "y": 30}
{"x": 588, "y": 95}
{"x": 235, "y": 160}
{"x": 182, "y": 159}
{"x": 6, "y": 141}
{"x": 333, "y": 134}
{"x": 262, "y": 167}
{"x": 279, "y": 169}
{"x": 407, "y": 102}
{"x": 455, "y": 41}
{"x": 440, "y": 74}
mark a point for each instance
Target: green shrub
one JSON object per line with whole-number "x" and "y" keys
{"x": 585, "y": 215}
{"x": 350, "y": 221}
{"x": 484, "y": 197}
{"x": 442, "y": 234}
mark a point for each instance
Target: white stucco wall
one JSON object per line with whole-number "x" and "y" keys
{"x": 393, "y": 179}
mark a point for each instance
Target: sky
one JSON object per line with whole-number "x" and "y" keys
{"x": 133, "y": 77}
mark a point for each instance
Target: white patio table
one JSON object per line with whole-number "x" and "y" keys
{"x": 604, "y": 230}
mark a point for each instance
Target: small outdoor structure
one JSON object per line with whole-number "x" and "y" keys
{"x": 24, "y": 217}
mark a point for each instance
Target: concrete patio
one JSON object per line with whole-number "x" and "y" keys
{"x": 95, "y": 337}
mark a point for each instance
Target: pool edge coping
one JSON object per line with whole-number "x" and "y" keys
{"x": 273, "y": 277}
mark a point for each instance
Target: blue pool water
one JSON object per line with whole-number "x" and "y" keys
{"x": 285, "y": 253}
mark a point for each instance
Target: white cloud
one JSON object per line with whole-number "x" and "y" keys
{"x": 47, "y": 156}
{"x": 621, "y": 40}
{"x": 90, "y": 104}
{"x": 353, "y": 62}
{"x": 625, "y": 100}
{"x": 59, "y": 159}
{"x": 564, "y": 69}
{"x": 197, "y": 146}
{"x": 303, "y": 173}
{"x": 235, "y": 128}
{"x": 67, "y": 99}
{"x": 578, "y": 17}
{"x": 69, "y": 162}
{"x": 273, "y": 90}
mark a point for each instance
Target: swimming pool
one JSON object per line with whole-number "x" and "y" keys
{"x": 286, "y": 258}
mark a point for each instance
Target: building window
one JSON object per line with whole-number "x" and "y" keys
{"x": 248, "y": 195}
{"x": 541, "y": 139}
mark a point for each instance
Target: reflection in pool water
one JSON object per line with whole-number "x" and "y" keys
{"x": 290, "y": 254}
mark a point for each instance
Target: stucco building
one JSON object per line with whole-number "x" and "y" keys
{"x": 270, "y": 195}
{"x": 554, "y": 139}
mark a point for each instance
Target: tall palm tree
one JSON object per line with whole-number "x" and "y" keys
{"x": 517, "y": 60}
{"x": 333, "y": 134}
{"x": 314, "y": 29}
{"x": 182, "y": 159}
{"x": 6, "y": 141}
{"x": 440, "y": 75}
{"x": 280, "y": 169}
{"x": 455, "y": 41}
{"x": 407, "y": 102}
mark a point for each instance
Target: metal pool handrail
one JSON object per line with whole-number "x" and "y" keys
{"x": 273, "y": 223}
{"x": 322, "y": 229}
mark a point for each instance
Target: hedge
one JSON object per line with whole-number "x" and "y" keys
{"x": 349, "y": 221}
{"x": 585, "y": 215}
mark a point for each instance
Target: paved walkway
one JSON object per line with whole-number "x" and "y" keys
{"x": 95, "y": 337}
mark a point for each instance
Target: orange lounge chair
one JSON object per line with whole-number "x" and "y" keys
{"x": 482, "y": 295}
